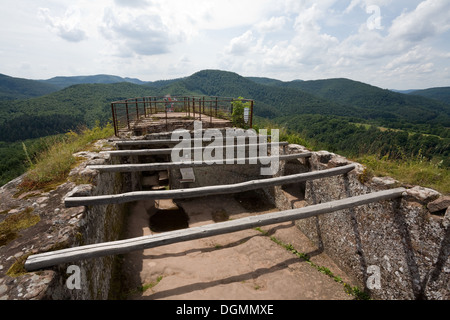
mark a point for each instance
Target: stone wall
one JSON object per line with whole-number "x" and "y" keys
{"x": 394, "y": 249}
{"x": 59, "y": 228}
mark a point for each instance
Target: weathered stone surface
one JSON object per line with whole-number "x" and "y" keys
{"x": 423, "y": 194}
{"x": 446, "y": 221}
{"x": 439, "y": 204}
{"x": 399, "y": 238}
{"x": 324, "y": 156}
{"x": 60, "y": 227}
{"x": 385, "y": 182}
{"x": 338, "y": 161}
{"x": 84, "y": 190}
{"x": 295, "y": 148}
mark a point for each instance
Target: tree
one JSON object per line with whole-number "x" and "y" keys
{"x": 237, "y": 116}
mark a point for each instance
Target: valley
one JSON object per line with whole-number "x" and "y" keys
{"x": 341, "y": 115}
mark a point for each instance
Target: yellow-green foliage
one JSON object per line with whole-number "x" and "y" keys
{"x": 54, "y": 164}
{"x": 237, "y": 116}
{"x": 10, "y": 227}
{"x": 284, "y": 134}
{"x": 18, "y": 268}
{"x": 408, "y": 170}
{"x": 413, "y": 171}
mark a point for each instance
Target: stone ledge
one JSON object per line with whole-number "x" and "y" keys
{"x": 58, "y": 228}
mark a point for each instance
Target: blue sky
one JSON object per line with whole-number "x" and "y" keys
{"x": 387, "y": 43}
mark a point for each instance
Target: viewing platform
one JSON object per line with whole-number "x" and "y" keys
{"x": 148, "y": 115}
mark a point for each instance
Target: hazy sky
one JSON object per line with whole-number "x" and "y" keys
{"x": 397, "y": 44}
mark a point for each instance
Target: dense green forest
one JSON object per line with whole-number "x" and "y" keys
{"x": 440, "y": 94}
{"x": 15, "y": 157}
{"x": 381, "y": 107}
{"x": 64, "y": 82}
{"x": 16, "y": 88}
{"x": 67, "y": 109}
{"x": 340, "y": 115}
{"x": 342, "y": 136}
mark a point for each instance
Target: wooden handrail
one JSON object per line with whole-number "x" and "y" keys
{"x": 203, "y": 191}
{"x": 70, "y": 255}
{"x": 189, "y": 164}
{"x": 147, "y": 152}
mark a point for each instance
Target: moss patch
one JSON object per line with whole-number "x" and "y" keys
{"x": 10, "y": 227}
{"x": 18, "y": 268}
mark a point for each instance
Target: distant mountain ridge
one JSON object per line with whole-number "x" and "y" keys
{"x": 86, "y": 98}
{"x": 375, "y": 102}
{"x": 12, "y": 88}
{"x": 442, "y": 94}
{"x": 342, "y": 114}
{"x": 64, "y": 82}
{"x": 18, "y": 88}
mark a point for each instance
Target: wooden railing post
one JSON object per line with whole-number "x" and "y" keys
{"x": 137, "y": 109}
{"x": 251, "y": 114}
{"x": 128, "y": 117}
{"x": 114, "y": 119}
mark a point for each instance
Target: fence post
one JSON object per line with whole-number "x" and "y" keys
{"x": 251, "y": 114}
{"x": 145, "y": 107}
{"x": 217, "y": 103}
{"x": 165, "y": 110}
{"x": 210, "y": 111}
{"x": 114, "y": 119}
{"x": 128, "y": 117}
{"x": 137, "y": 108}
{"x": 203, "y": 105}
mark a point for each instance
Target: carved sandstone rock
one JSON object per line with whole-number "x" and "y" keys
{"x": 439, "y": 204}
{"x": 423, "y": 194}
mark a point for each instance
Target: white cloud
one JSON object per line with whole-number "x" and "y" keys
{"x": 306, "y": 45}
{"x": 272, "y": 25}
{"x": 132, "y": 3}
{"x": 378, "y": 56}
{"x": 136, "y": 33}
{"x": 242, "y": 44}
{"x": 414, "y": 57}
{"x": 67, "y": 27}
{"x": 285, "y": 39}
{"x": 352, "y": 5}
{"x": 365, "y": 4}
{"x": 431, "y": 17}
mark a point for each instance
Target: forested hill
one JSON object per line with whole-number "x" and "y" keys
{"x": 334, "y": 112}
{"x": 346, "y": 98}
{"x": 441, "y": 94}
{"x": 388, "y": 108}
{"x": 63, "y": 110}
{"x": 12, "y": 88}
{"x": 64, "y": 82}
{"x": 272, "y": 101}
{"x": 87, "y": 103}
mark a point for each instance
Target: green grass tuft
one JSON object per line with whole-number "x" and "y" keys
{"x": 53, "y": 166}
{"x": 412, "y": 171}
{"x": 11, "y": 225}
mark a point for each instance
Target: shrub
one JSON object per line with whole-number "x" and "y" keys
{"x": 237, "y": 116}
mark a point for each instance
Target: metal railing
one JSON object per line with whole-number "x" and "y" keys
{"x": 129, "y": 113}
